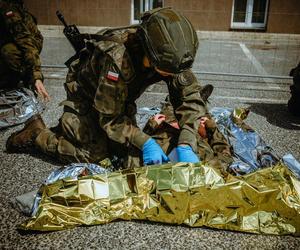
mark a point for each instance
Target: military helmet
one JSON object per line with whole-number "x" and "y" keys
{"x": 169, "y": 39}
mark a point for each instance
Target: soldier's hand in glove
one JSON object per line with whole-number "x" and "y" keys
{"x": 186, "y": 154}
{"x": 153, "y": 153}
{"x": 40, "y": 89}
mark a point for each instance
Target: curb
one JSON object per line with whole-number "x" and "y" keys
{"x": 57, "y": 31}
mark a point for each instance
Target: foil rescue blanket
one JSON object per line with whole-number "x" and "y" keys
{"x": 17, "y": 106}
{"x": 266, "y": 201}
{"x": 260, "y": 193}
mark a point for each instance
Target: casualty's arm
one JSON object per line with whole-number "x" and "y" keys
{"x": 188, "y": 106}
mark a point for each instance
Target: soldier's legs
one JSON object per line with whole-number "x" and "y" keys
{"x": 77, "y": 139}
{"x": 294, "y": 101}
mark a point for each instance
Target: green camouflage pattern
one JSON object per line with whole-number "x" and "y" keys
{"x": 91, "y": 88}
{"x": 214, "y": 149}
{"x": 76, "y": 139}
{"x": 20, "y": 43}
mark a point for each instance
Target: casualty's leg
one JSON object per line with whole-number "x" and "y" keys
{"x": 218, "y": 143}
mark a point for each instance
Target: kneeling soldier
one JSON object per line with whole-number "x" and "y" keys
{"x": 103, "y": 84}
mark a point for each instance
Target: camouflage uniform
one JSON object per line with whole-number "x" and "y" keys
{"x": 214, "y": 149}
{"x": 99, "y": 113}
{"x": 20, "y": 45}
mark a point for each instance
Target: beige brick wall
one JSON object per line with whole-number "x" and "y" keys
{"x": 215, "y": 15}
{"x": 284, "y": 16}
{"x": 82, "y": 12}
{"x": 205, "y": 14}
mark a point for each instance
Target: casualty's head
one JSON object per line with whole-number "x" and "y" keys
{"x": 169, "y": 39}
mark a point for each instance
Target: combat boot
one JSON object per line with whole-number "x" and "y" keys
{"x": 23, "y": 140}
{"x": 206, "y": 91}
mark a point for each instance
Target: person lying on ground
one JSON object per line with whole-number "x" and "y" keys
{"x": 212, "y": 146}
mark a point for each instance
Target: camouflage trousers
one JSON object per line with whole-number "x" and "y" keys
{"x": 79, "y": 138}
{"x": 11, "y": 68}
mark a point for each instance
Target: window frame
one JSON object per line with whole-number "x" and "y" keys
{"x": 147, "y": 7}
{"x": 249, "y": 12}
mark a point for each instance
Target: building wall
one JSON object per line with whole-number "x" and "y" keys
{"x": 284, "y": 16}
{"x": 205, "y": 14}
{"x": 214, "y": 15}
{"x": 82, "y": 12}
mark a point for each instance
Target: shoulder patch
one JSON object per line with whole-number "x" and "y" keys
{"x": 186, "y": 78}
{"x": 112, "y": 76}
{"x": 9, "y": 13}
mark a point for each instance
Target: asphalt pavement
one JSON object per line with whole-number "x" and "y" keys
{"x": 265, "y": 97}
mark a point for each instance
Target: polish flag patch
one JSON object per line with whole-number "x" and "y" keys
{"x": 9, "y": 14}
{"x": 112, "y": 76}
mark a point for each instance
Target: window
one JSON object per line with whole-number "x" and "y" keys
{"x": 140, "y": 6}
{"x": 249, "y": 14}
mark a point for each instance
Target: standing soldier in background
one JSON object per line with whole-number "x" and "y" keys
{"x": 294, "y": 102}
{"x": 105, "y": 81}
{"x": 20, "y": 46}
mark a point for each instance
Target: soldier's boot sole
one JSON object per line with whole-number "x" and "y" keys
{"x": 23, "y": 140}
{"x": 206, "y": 92}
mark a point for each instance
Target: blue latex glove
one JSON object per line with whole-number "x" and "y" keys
{"x": 153, "y": 153}
{"x": 186, "y": 154}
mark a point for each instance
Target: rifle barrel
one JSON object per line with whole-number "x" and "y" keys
{"x": 61, "y": 18}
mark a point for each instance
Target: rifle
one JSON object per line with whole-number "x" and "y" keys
{"x": 73, "y": 35}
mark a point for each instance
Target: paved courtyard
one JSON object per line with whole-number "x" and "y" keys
{"x": 265, "y": 97}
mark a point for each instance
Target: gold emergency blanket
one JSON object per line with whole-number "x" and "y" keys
{"x": 267, "y": 201}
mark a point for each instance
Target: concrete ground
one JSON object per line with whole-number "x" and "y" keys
{"x": 265, "y": 97}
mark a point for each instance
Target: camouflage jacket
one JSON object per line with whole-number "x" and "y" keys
{"x": 110, "y": 75}
{"x": 18, "y": 26}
